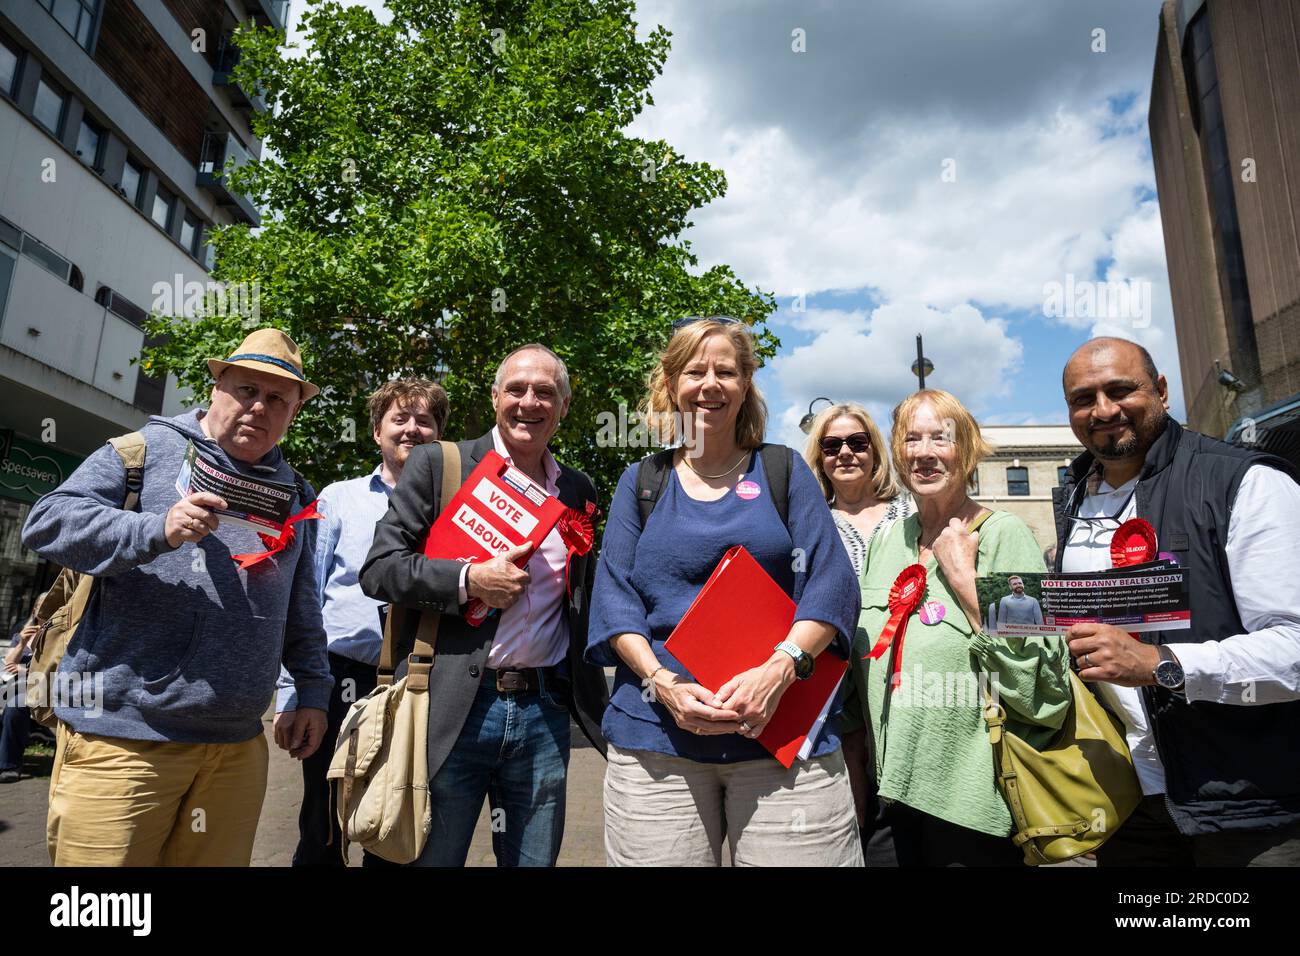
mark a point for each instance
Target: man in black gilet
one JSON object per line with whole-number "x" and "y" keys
{"x": 1211, "y": 714}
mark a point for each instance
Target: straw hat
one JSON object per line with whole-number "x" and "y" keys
{"x": 270, "y": 351}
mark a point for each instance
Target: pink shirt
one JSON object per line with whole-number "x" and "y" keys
{"x": 533, "y": 631}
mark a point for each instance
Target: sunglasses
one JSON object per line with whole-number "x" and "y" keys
{"x": 692, "y": 319}
{"x": 857, "y": 442}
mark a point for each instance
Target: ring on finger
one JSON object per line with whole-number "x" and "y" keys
{"x": 1086, "y": 661}
{"x": 744, "y": 728}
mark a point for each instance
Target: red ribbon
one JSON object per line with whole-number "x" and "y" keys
{"x": 276, "y": 545}
{"x": 1134, "y": 542}
{"x": 904, "y": 596}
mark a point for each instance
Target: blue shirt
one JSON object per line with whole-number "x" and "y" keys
{"x": 350, "y": 509}
{"x": 646, "y": 579}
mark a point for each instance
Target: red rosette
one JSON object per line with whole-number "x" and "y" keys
{"x": 577, "y": 530}
{"x": 1134, "y": 543}
{"x": 275, "y": 545}
{"x": 904, "y": 597}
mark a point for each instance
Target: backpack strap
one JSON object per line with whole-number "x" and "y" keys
{"x": 131, "y": 449}
{"x": 652, "y": 478}
{"x": 778, "y": 463}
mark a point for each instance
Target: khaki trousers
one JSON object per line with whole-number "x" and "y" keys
{"x": 118, "y": 802}
{"x": 673, "y": 811}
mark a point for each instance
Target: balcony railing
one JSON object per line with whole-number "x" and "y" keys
{"x": 275, "y": 12}
{"x": 223, "y": 75}
{"x": 218, "y": 150}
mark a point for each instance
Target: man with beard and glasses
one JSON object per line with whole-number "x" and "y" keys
{"x": 404, "y": 413}
{"x": 1211, "y": 714}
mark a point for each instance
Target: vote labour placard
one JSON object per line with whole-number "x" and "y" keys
{"x": 497, "y": 508}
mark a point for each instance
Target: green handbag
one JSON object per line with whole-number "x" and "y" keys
{"x": 1068, "y": 798}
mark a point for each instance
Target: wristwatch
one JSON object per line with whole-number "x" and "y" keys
{"x": 1169, "y": 673}
{"x": 803, "y": 662}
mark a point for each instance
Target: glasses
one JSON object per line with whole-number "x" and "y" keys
{"x": 692, "y": 319}
{"x": 857, "y": 442}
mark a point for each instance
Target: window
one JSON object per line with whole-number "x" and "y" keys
{"x": 6, "y": 274}
{"x": 1061, "y": 472}
{"x": 75, "y": 16}
{"x": 1017, "y": 481}
{"x": 8, "y": 69}
{"x": 89, "y": 139}
{"x": 190, "y": 233}
{"x": 163, "y": 205}
{"x": 50, "y": 102}
{"x": 132, "y": 177}
{"x": 39, "y": 252}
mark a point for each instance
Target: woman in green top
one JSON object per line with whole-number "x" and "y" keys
{"x": 933, "y": 760}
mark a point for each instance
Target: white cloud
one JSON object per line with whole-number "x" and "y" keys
{"x": 867, "y": 359}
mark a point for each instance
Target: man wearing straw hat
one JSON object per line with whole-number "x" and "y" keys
{"x": 161, "y": 757}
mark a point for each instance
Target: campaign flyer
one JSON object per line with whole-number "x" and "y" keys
{"x": 1150, "y": 598}
{"x": 253, "y": 502}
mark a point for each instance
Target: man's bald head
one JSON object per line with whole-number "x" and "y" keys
{"x": 1105, "y": 342}
{"x": 1118, "y": 401}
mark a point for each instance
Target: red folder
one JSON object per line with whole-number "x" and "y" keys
{"x": 497, "y": 508}
{"x": 733, "y": 624}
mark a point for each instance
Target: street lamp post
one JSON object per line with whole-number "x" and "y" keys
{"x": 922, "y": 366}
{"x": 805, "y": 423}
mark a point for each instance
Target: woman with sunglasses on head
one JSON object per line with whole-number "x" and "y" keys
{"x": 924, "y": 690}
{"x": 847, "y": 455}
{"x": 685, "y": 769}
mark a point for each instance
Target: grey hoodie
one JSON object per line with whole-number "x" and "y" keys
{"x": 188, "y": 645}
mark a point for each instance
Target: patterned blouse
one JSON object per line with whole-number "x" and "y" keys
{"x": 856, "y": 545}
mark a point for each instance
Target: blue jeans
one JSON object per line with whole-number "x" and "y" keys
{"x": 513, "y": 749}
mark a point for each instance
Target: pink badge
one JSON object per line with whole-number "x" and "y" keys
{"x": 932, "y": 612}
{"x": 748, "y": 490}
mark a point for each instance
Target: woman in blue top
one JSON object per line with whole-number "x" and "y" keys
{"x": 684, "y": 769}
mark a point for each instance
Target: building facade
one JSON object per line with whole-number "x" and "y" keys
{"x": 1027, "y": 463}
{"x": 1225, "y": 139}
{"x": 117, "y": 121}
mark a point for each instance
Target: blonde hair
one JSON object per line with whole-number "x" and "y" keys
{"x": 971, "y": 446}
{"x": 659, "y": 408}
{"x": 883, "y": 485}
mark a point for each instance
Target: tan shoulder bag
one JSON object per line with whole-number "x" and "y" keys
{"x": 380, "y": 769}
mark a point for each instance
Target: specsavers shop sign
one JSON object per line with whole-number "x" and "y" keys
{"x": 30, "y": 468}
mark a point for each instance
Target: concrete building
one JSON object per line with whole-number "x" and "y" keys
{"x": 1019, "y": 476}
{"x": 1225, "y": 137}
{"x": 117, "y": 119}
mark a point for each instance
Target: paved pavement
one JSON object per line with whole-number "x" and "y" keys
{"x": 23, "y": 805}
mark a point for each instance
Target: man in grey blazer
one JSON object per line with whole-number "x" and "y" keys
{"x": 501, "y": 694}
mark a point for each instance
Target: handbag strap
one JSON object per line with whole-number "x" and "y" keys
{"x": 420, "y": 661}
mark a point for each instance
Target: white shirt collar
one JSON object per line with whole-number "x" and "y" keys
{"x": 549, "y": 464}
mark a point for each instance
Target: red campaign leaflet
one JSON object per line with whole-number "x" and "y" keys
{"x": 253, "y": 502}
{"x": 497, "y": 508}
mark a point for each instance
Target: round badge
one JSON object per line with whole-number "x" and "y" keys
{"x": 1134, "y": 543}
{"x": 748, "y": 490}
{"x": 932, "y": 612}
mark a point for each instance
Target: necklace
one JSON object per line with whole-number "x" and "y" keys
{"x": 687, "y": 459}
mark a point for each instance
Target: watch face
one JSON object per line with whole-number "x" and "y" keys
{"x": 803, "y": 668}
{"x": 1169, "y": 674}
